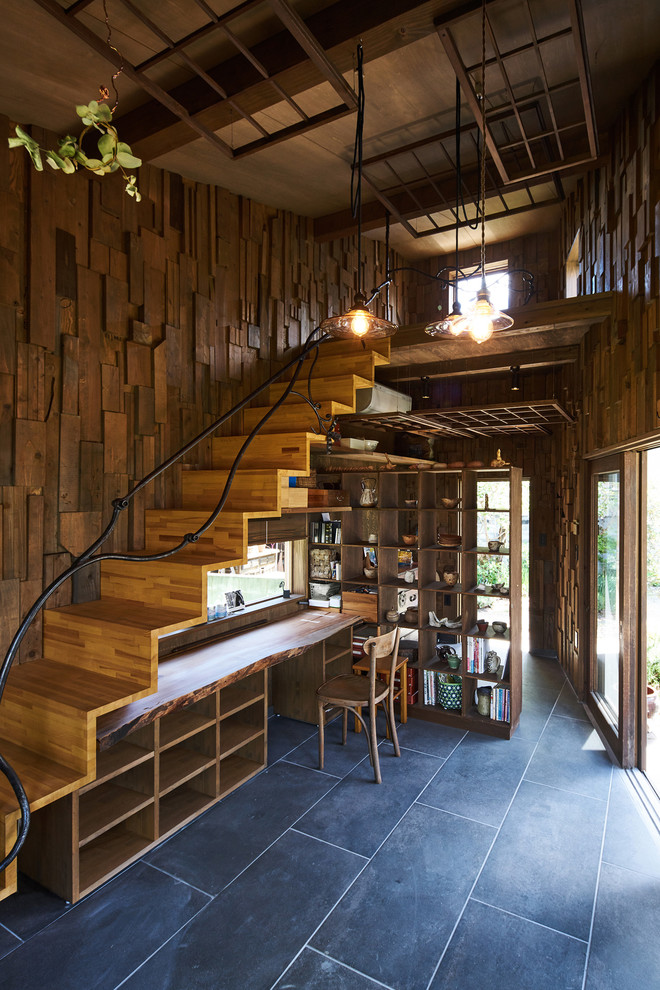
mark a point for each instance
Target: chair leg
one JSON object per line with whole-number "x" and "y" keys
{"x": 392, "y": 724}
{"x": 344, "y": 727}
{"x": 321, "y": 740}
{"x": 374, "y": 743}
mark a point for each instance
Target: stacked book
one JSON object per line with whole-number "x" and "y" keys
{"x": 500, "y": 702}
{"x": 325, "y": 532}
{"x": 475, "y": 656}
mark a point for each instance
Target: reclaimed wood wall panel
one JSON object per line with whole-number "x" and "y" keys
{"x": 615, "y": 210}
{"x": 125, "y": 329}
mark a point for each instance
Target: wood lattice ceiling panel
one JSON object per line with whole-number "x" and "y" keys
{"x": 515, "y": 418}
{"x": 212, "y": 68}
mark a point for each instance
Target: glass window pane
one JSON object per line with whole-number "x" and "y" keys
{"x": 607, "y": 591}
{"x": 265, "y": 575}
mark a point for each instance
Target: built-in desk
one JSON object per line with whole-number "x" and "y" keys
{"x": 165, "y": 759}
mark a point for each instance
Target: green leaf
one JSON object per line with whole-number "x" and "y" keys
{"x": 35, "y": 155}
{"x": 82, "y": 111}
{"x": 68, "y": 146}
{"x": 104, "y": 113}
{"x": 107, "y": 145}
{"x": 127, "y": 160}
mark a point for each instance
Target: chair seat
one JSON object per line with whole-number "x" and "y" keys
{"x": 350, "y": 689}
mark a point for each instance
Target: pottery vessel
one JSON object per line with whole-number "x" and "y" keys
{"x": 450, "y": 576}
{"x": 494, "y": 545}
{"x": 392, "y": 615}
{"x": 499, "y": 627}
{"x": 482, "y": 625}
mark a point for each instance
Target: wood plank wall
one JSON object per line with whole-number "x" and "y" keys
{"x": 536, "y": 253}
{"x": 616, "y": 211}
{"x": 125, "y": 329}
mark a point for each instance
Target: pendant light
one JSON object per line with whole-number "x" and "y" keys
{"x": 358, "y": 322}
{"x": 483, "y": 320}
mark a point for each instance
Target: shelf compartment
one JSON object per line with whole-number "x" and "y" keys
{"x": 110, "y": 853}
{"x": 236, "y": 770}
{"x": 119, "y": 758}
{"x": 106, "y": 806}
{"x": 181, "y": 806}
{"x": 237, "y": 732}
{"x": 178, "y": 726}
{"x": 179, "y": 765}
{"x": 236, "y": 697}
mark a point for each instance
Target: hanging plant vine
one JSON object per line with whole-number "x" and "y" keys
{"x": 114, "y": 155}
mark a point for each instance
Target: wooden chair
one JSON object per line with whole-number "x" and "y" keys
{"x": 351, "y": 692}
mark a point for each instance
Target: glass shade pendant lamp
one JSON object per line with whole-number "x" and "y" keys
{"x": 358, "y": 322}
{"x": 483, "y": 320}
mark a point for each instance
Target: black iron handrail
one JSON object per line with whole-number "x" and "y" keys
{"x": 90, "y": 555}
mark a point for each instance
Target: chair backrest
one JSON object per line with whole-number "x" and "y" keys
{"x": 377, "y": 647}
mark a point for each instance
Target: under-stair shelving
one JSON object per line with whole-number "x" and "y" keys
{"x": 101, "y": 656}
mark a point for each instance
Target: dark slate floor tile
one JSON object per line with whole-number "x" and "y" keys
{"x": 571, "y": 756}
{"x": 31, "y": 908}
{"x": 358, "y": 813}
{"x": 312, "y": 970}
{"x": 480, "y": 778}
{"x": 428, "y": 737}
{"x": 101, "y": 941}
{"x": 533, "y": 719}
{"x": 568, "y": 704}
{"x": 248, "y": 935}
{"x": 544, "y": 863}
{"x": 395, "y": 920}
{"x": 284, "y": 734}
{"x": 339, "y": 760}
{"x": 493, "y": 949}
{"x": 625, "y": 948}
{"x": 216, "y": 847}
{"x": 7, "y": 943}
{"x": 631, "y": 839}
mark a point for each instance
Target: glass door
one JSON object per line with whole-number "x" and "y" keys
{"x": 612, "y": 606}
{"x": 650, "y": 618}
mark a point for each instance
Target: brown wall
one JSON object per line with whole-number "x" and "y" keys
{"x": 616, "y": 210}
{"x": 125, "y": 330}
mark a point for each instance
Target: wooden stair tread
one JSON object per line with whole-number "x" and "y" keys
{"x": 136, "y": 615}
{"x": 341, "y": 388}
{"x": 43, "y": 779}
{"x": 72, "y": 686}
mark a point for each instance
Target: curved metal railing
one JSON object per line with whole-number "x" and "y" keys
{"x": 92, "y": 556}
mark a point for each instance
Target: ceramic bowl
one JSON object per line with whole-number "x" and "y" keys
{"x": 450, "y": 577}
{"x": 449, "y": 540}
{"x": 411, "y": 503}
{"x": 499, "y": 627}
{"x": 409, "y": 539}
{"x": 494, "y": 545}
{"x": 370, "y": 572}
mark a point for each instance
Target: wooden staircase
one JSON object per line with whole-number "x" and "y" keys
{"x": 100, "y": 656}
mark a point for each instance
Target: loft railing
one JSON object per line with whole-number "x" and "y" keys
{"x": 91, "y": 556}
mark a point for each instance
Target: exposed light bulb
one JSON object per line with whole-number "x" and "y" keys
{"x": 360, "y": 322}
{"x": 481, "y": 322}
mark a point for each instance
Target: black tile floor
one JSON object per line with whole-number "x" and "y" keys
{"x": 525, "y": 865}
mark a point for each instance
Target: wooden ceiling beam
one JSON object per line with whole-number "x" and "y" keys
{"x": 152, "y": 130}
{"x": 401, "y": 205}
{"x": 471, "y": 367}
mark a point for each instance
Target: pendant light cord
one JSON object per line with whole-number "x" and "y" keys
{"x": 483, "y": 147}
{"x": 356, "y": 173}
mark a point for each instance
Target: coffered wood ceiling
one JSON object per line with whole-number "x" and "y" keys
{"x": 259, "y": 97}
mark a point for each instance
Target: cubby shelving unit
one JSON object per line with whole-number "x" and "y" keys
{"x": 409, "y": 504}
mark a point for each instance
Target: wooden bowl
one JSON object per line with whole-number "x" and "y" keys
{"x": 409, "y": 539}
{"x": 449, "y": 503}
{"x": 449, "y": 540}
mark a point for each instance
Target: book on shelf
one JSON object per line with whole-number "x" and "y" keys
{"x": 325, "y": 531}
{"x": 500, "y": 704}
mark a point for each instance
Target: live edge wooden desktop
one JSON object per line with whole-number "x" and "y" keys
{"x": 164, "y": 759}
